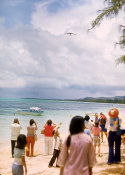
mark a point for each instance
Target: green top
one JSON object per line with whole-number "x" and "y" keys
{"x": 18, "y": 153}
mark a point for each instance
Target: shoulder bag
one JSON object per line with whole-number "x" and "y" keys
{"x": 119, "y": 130}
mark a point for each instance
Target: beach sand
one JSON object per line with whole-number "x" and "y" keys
{"x": 38, "y": 164}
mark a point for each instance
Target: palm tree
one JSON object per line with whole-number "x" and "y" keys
{"x": 112, "y": 10}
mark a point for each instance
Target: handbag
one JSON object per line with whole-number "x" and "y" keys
{"x": 36, "y": 138}
{"x": 42, "y": 131}
{"x": 119, "y": 130}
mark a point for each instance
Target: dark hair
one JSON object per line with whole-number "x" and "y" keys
{"x": 16, "y": 120}
{"x": 96, "y": 124}
{"x": 31, "y": 121}
{"x": 49, "y": 122}
{"x": 21, "y": 141}
{"x": 76, "y": 126}
{"x": 87, "y": 118}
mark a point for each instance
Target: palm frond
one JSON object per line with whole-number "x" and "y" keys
{"x": 112, "y": 10}
{"x": 120, "y": 60}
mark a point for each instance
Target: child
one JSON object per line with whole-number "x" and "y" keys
{"x": 102, "y": 122}
{"x": 77, "y": 154}
{"x": 96, "y": 136}
{"x": 57, "y": 147}
{"x": 19, "y": 155}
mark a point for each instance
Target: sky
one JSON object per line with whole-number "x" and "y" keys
{"x": 39, "y": 60}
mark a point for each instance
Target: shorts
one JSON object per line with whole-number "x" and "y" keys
{"x": 17, "y": 169}
{"x": 103, "y": 128}
{"x": 96, "y": 140}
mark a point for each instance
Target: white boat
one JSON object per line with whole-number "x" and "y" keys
{"x": 35, "y": 111}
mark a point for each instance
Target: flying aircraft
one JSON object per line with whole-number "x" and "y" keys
{"x": 70, "y": 33}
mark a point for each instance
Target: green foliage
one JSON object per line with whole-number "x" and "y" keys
{"x": 113, "y": 8}
{"x": 104, "y": 100}
{"x": 121, "y": 60}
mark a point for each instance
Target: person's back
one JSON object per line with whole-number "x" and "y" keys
{"x": 18, "y": 153}
{"x": 19, "y": 156}
{"x": 103, "y": 120}
{"x": 30, "y": 130}
{"x": 77, "y": 155}
{"x": 96, "y": 136}
{"x": 49, "y": 130}
{"x": 96, "y": 131}
{"x": 58, "y": 142}
{"x": 15, "y": 131}
{"x": 81, "y": 152}
{"x": 48, "y": 137}
{"x": 57, "y": 148}
{"x": 87, "y": 124}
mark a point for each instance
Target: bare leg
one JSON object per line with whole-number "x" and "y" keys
{"x": 106, "y": 134}
{"x": 98, "y": 150}
{"x": 95, "y": 148}
{"x": 102, "y": 136}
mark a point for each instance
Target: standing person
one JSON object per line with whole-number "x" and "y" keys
{"x": 19, "y": 155}
{"x": 102, "y": 122}
{"x": 114, "y": 140}
{"x": 48, "y": 137}
{"x": 96, "y": 136}
{"x": 57, "y": 148}
{"x": 91, "y": 124}
{"x": 87, "y": 125}
{"x": 96, "y": 117}
{"x": 31, "y": 131}
{"x": 77, "y": 154}
{"x": 15, "y": 131}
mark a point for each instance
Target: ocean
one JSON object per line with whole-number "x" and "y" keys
{"x": 56, "y": 110}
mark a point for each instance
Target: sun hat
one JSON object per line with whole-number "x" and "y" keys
{"x": 113, "y": 113}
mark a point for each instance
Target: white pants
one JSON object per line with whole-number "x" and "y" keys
{"x": 48, "y": 146}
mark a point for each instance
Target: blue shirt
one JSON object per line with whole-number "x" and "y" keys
{"x": 87, "y": 131}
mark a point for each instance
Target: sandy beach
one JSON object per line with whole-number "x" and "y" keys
{"x": 38, "y": 164}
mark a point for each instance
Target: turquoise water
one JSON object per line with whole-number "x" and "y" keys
{"x": 56, "y": 110}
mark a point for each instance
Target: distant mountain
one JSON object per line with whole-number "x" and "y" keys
{"x": 116, "y": 99}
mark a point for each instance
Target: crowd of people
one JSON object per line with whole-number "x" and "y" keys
{"x": 77, "y": 153}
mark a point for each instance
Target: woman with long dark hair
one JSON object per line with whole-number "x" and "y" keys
{"x": 77, "y": 155}
{"x": 19, "y": 155}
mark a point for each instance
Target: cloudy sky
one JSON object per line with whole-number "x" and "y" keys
{"x": 38, "y": 59}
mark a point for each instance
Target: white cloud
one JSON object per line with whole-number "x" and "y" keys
{"x": 75, "y": 18}
{"x": 42, "y": 56}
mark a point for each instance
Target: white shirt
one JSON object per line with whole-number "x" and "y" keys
{"x": 58, "y": 142}
{"x": 87, "y": 125}
{"x": 15, "y": 131}
{"x": 18, "y": 153}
